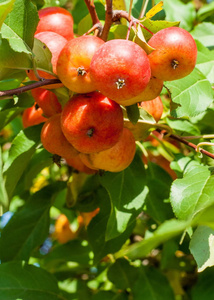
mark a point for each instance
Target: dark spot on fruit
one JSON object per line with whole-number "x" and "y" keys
{"x": 90, "y": 132}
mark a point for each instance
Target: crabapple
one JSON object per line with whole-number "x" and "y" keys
{"x": 120, "y": 70}
{"x": 114, "y": 159}
{"x": 56, "y": 19}
{"x": 92, "y": 122}
{"x": 32, "y": 116}
{"x": 74, "y": 62}
{"x": 175, "y": 53}
{"x": 153, "y": 107}
{"x": 47, "y": 100}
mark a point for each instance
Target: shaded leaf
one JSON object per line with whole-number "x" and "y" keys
{"x": 122, "y": 274}
{"x": 204, "y": 289}
{"x": 28, "y": 227}
{"x": 42, "y": 57}
{"x": 23, "y": 147}
{"x": 133, "y": 113}
{"x": 205, "y": 11}
{"x": 202, "y": 247}
{"x": 127, "y": 191}
{"x": 3, "y": 193}
{"x": 193, "y": 93}
{"x": 152, "y": 285}
{"x": 22, "y": 281}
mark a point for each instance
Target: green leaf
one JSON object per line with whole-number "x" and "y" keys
{"x": 84, "y": 25}
{"x": 108, "y": 295}
{"x": 20, "y": 26}
{"x": 204, "y": 289}
{"x": 183, "y": 127}
{"x": 193, "y": 94}
{"x": 28, "y": 227}
{"x": 177, "y": 10}
{"x": 192, "y": 193}
{"x": 205, "y": 11}
{"x": 127, "y": 191}
{"x": 202, "y": 247}
{"x": 156, "y": 205}
{"x": 11, "y": 59}
{"x": 204, "y": 33}
{"x": 22, "y": 281}
{"x": 98, "y": 226}
{"x": 205, "y": 61}
{"x": 22, "y": 149}
{"x": 122, "y": 274}
{"x": 166, "y": 231}
{"x": 12, "y": 80}
{"x": 3, "y": 193}
{"x": 5, "y": 7}
{"x": 152, "y": 285}
{"x": 133, "y": 113}
{"x": 76, "y": 251}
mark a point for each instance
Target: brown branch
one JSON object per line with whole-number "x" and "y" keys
{"x": 28, "y": 87}
{"x": 92, "y": 10}
{"x": 108, "y": 20}
{"x": 189, "y": 144}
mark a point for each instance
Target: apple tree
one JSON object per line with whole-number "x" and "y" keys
{"x": 107, "y": 148}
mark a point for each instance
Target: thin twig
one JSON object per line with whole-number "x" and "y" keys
{"x": 92, "y": 10}
{"x": 108, "y": 20}
{"x": 29, "y": 87}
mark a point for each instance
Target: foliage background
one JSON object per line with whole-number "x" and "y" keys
{"x": 153, "y": 237}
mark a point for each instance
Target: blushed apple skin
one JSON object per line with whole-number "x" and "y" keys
{"x": 152, "y": 90}
{"x": 153, "y": 107}
{"x": 92, "y": 122}
{"x": 76, "y": 56}
{"x": 120, "y": 60}
{"x": 55, "y": 142}
{"x": 47, "y": 100}
{"x": 55, "y": 43}
{"x": 115, "y": 159}
{"x": 32, "y": 116}
{"x": 175, "y": 55}
{"x": 56, "y": 19}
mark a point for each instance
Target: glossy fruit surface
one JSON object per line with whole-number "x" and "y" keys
{"x": 152, "y": 90}
{"x": 74, "y": 62}
{"x": 32, "y": 116}
{"x": 53, "y": 139}
{"x": 92, "y": 122}
{"x": 56, "y": 19}
{"x": 175, "y": 55}
{"x": 55, "y": 43}
{"x": 115, "y": 159}
{"x": 120, "y": 70}
{"x": 47, "y": 100}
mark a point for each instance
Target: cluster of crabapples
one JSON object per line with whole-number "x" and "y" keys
{"x": 89, "y": 130}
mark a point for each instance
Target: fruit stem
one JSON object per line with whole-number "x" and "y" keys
{"x": 108, "y": 20}
{"x": 92, "y": 10}
{"x": 198, "y": 149}
{"x": 195, "y": 137}
{"x": 143, "y": 9}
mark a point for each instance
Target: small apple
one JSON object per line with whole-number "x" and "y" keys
{"x": 55, "y": 43}
{"x": 120, "y": 70}
{"x": 175, "y": 53}
{"x": 32, "y": 116}
{"x": 56, "y": 19}
{"x": 74, "y": 62}
{"x": 153, "y": 107}
{"x": 152, "y": 90}
{"x": 47, "y": 100}
{"x": 92, "y": 122}
{"x": 63, "y": 232}
{"x": 55, "y": 142}
{"x": 114, "y": 159}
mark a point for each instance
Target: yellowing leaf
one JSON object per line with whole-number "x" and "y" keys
{"x": 140, "y": 40}
{"x": 119, "y": 4}
{"x": 154, "y": 10}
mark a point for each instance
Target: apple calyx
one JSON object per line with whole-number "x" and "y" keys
{"x": 81, "y": 71}
{"x": 120, "y": 83}
{"x": 90, "y": 132}
{"x": 174, "y": 64}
